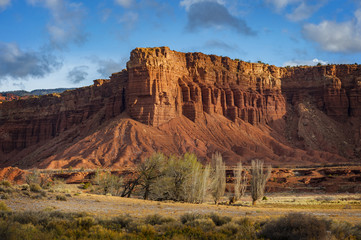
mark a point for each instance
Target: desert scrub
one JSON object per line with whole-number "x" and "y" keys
{"x": 5, "y": 183}
{"x": 157, "y": 219}
{"x": 296, "y": 226}
{"x": 205, "y": 224}
{"x": 35, "y": 187}
{"x": 4, "y": 196}
{"x": 345, "y": 230}
{"x": 86, "y": 185}
{"x": 218, "y": 219}
{"x": 187, "y": 217}
{"x": 61, "y": 197}
{"x": 117, "y": 223}
{"x": 85, "y": 222}
{"x": 4, "y": 207}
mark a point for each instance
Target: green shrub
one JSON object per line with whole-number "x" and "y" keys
{"x": 4, "y": 196}
{"x": 4, "y": 207}
{"x": 344, "y": 230}
{"x": 6, "y": 189}
{"x": 35, "y": 187}
{"x": 247, "y": 229}
{"x": 187, "y": 217}
{"x": 219, "y": 220}
{"x": 229, "y": 229}
{"x": 295, "y": 226}
{"x": 206, "y": 224}
{"x": 5, "y": 183}
{"x": 118, "y": 222}
{"x": 186, "y": 232}
{"x": 86, "y": 185}
{"x": 61, "y": 197}
{"x": 147, "y": 231}
{"x": 85, "y": 222}
{"x": 157, "y": 219}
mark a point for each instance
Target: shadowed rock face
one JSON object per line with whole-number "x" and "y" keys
{"x": 176, "y": 102}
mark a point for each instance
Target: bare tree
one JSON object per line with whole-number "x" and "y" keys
{"x": 258, "y": 180}
{"x": 218, "y": 176}
{"x": 204, "y": 184}
{"x": 240, "y": 185}
{"x": 36, "y": 177}
{"x": 149, "y": 172}
{"x": 130, "y": 182}
{"x": 198, "y": 180}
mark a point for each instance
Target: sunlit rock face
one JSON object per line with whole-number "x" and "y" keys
{"x": 164, "y": 84}
{"x": 177, "y": 102}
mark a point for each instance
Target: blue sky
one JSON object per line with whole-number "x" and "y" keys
{"x": 67, "y": 43}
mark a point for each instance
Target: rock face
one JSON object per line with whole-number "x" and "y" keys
{"x": 164, "y": 84}
{"x": 176, "y": 102}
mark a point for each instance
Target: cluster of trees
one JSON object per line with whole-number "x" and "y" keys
{"x": 185, "y": 179}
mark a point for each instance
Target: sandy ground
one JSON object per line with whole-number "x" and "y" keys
{"x": 343, "y": 207}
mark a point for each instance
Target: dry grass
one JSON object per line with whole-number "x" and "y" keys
{"x": 342, "y": 207}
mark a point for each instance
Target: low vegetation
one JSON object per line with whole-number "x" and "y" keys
{"x": 57, "y": 225}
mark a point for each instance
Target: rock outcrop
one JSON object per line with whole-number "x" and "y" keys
{"x": 164, "y": 84}
{"x": 176, "y": 102}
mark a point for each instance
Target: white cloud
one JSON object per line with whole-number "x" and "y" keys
{"x": 66, "y": 24}
{"x": 303, "y": 11}
{"x": 17, "y": 64}
{"x": 207, "y": 14}
{"x": 281, "y": 4}
{"x": 129, "y": 19}
{"x": 4, "y": 4}
{"x": 296, "y": 10}
{"x": 78, "y": 74}
{"x": 336, "y": 37}
{"x": 312, "y": 62}
{"x": 125, "y": 3}
{"x": 188, "y": 3}
{"x": 108, "y": 66}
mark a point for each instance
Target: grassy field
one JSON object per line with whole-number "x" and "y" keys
{"x": 343, "y": 207}
{"x": 67, "y": 211}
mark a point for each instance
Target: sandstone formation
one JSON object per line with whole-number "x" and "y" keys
{"x": 7, "y": 97}
{"x": 176, "y": 102}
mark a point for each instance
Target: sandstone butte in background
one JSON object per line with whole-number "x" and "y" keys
{"x": 177, "y": 102}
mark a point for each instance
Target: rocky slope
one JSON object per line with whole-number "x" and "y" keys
{"x": 176, "y": 102}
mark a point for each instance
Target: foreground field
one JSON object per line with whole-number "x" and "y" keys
{"x": 67, "y": 211}
{"x": 341, "y": 207}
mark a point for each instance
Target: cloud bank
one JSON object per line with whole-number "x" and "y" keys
{"x": 78, "y": 74}
{"x": 17, "y": 63}
{"x": 209, "y": 14}
{"x": 336, "y": 36}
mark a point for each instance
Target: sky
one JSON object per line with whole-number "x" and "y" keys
{"x": 65, "y": 43}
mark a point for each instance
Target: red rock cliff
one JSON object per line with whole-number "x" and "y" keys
{"x": 164, "y": 84}
{"x": 190, "y": 102}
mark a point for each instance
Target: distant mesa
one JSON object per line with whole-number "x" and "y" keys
{"x": 177, "y": 102}
{"x": 13, "y": 95}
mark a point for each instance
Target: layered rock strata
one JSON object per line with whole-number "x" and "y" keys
{"x": 298, "y": 114}
{"x": 164, "y": 84}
